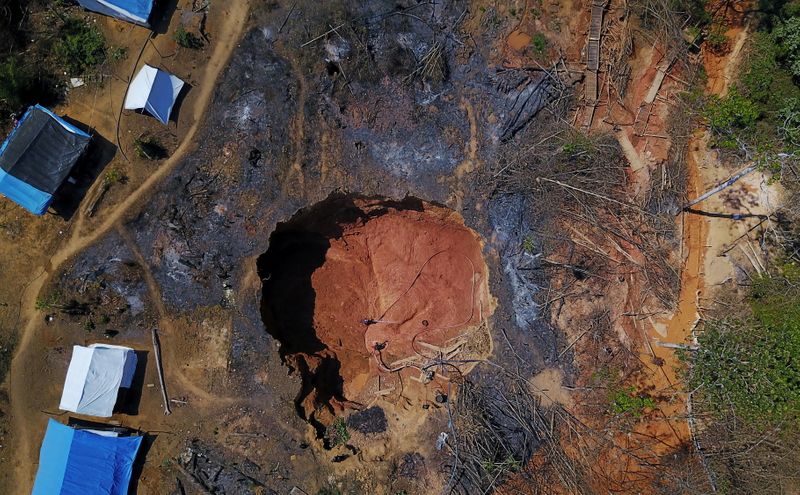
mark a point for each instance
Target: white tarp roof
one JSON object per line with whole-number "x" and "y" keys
{"x": 154, "y": 90}
{"x": 95, "y": 375}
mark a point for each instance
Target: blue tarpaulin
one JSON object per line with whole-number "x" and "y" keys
{"x": 37, "y": 157}
{"x": 136, "y": 11}
{"x": 79, "y": 462}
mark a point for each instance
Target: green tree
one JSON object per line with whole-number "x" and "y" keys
{"x": 787, "y": 39}
{"x": 751, "y": 365}
{"x": 730, "y": 115}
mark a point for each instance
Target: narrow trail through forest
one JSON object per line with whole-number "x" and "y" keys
{"x": 230, "y": 30}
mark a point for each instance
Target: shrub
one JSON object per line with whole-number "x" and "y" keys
{"x": 186, "y": 39}
{"x": 627, "y": 401}
{"x": 82, "y": 46}
{"x": 115, "y": 176}
{"x": 119, "y": 53}
{"x": 337, "y": 432}
{"x": 539, "y": 43}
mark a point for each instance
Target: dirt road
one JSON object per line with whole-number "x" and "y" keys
{"x": 234, "y": 17}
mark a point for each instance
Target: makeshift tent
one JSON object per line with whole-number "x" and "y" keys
{"x": 155, "y": 91}
{"x": 136, "y": 11}
{"x": 79, "y": 462}
{"x": 95, "y": 375}
{"x": 37, "y": 157}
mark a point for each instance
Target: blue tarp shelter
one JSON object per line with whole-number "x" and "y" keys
{"x": 82, "y": 462}
{"x": 37, "y": 157}
{"x": 136, "y": 11}
{"x": 155, "y": 91}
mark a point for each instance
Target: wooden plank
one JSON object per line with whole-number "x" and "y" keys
{"x": 590, "y": 88}
{"x": 593, "y": 56}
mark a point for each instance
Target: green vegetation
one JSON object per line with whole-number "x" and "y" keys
{"x": 760, "y": 117}
{"x": 787, "y": 39}
{"x": 114, "y": 176}
{"x": 627, "y": 400}
{"x": 716, "y": 37}
{"x": 509, "y": 463}
{"x": 731, "y": 117}
{"x": 751, "y": 364}
{"x": 81, "y": 48}
{"x": 337, "y": 432}
{"x": 578, "y": 143}
{"x": 186, "y": 39}
{"x": 15, "y": 79}
{"x": 529, "y": 245}
{"x": 118, "y": 53}
{"x": 539, "y": 43}
{"x": 49, "y": 301}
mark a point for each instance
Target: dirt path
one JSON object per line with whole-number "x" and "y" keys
{"x": 230, "y": 29}
{"x": 702, "y": 236}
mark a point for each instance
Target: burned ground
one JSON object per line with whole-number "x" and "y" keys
{"x": 397, "y": 101}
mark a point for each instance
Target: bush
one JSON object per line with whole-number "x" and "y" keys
{"x": 82, "y": 47}
{"x": 186, "y": 39}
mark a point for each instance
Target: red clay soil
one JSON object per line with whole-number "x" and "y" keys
{"x": 397, "y": 289}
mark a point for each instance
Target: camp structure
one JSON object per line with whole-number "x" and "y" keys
{"x": 155, "y": 91}
{"x": 94, "y": 379}
{"x": 135, "y": 11}
{"x": 37, "y": 157}
{"x": 80, "y": 462}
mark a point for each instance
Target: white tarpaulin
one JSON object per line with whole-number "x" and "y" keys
{"x": 95, "y": 375}
{"x": 154, "y": 90}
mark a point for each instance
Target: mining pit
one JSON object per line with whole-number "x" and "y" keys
{"x": 374, "y": 298}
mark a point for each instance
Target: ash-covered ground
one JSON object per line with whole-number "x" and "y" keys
{"x": 397, "y": 99}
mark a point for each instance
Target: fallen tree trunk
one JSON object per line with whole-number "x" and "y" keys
{"x": 157, "y": 351}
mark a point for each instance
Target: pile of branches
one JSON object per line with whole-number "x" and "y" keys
{"x": 577, "y": 185}
{"x": 498, "y": 428}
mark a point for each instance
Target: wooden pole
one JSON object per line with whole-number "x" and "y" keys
{"x": 157, "y": 352}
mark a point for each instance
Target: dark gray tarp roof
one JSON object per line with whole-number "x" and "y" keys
{"x": 42, "y": 150}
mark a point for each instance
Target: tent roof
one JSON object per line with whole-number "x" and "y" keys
{"x": 136, "y": 11}
{"x": 154, "y": 90}
{"x": 95, "y": 375}
{"x": 37, "y": 157}
{"x": 77, "y": 462}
